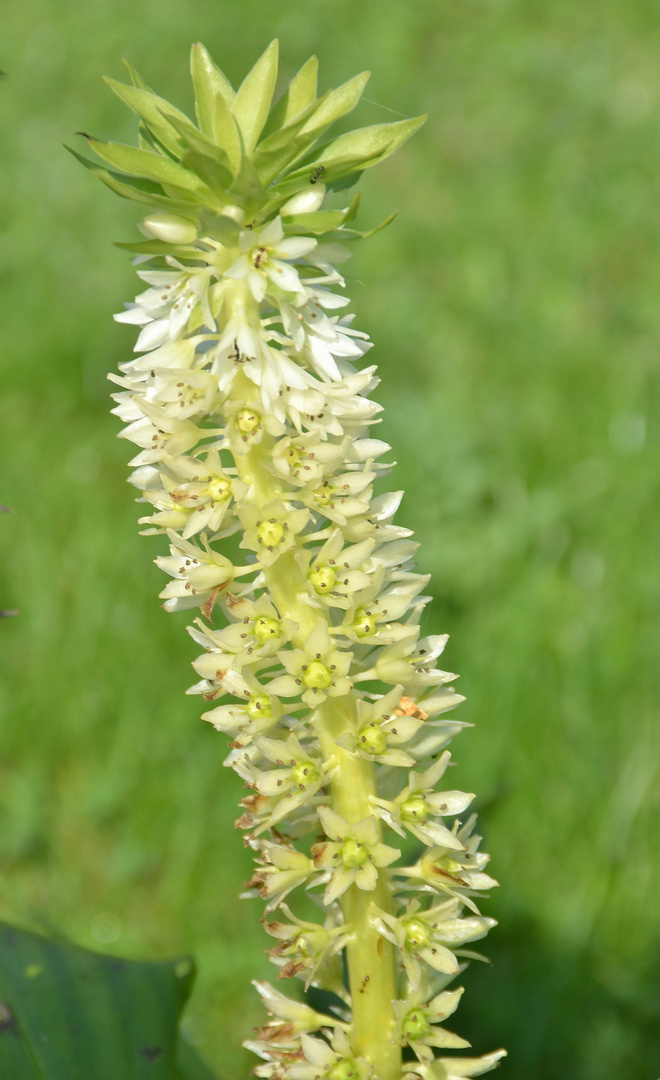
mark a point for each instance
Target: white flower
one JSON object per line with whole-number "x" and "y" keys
{"x": 415, "y": 808}
{"x": 315, "y": 672}
{"x": 430, "y": 935}
{"x": 453, "y": 870}
{"x": 282, "y": 870}
{"x": 266, "y": 260}
{"x": 453, "y": 1068}
{"x": 305, "y": 947}
{"x": 418, "y": 1023}
{"x": 352, "y": 854}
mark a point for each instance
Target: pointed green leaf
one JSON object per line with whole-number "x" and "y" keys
{"x": 214, "y": 175}
{"x": 210, "y": 83}
{"x": 158, "y": 247}
{"x": 130, "y": 159}
{"x": 377, "y": 229}
{"x": 146, "y": 140}
{"x": 351, "y": 213}
{"x": 136, "y": 78}
{"x": 254, "y": 97}
{"x": 71, "y": 1014}
{"x": 299, "y": 95}
{"x": 283, "y": 136}
{"x": 350, "y": 179}
{"x": 129, "y": 189}
{"x": 139, "y": 190}
{"x": 214, "y": 96}
{"x": 336, "y": 104}
{"x": 283, "y": 147}
{"x": 153, "y": 111}
{"x": 196, "y": 140}
{"x": 366, "y": 144}
{"x": 327, "y": 109}
{"x": 317, "y": 223}
{"x": 248, "y": 188}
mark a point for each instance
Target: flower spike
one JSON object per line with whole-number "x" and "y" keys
{"x": 249, "y": 402}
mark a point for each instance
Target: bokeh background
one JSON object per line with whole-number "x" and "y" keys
{"x": 514, "y": 304}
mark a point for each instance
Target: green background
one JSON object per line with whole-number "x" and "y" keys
{"x": 514, "y": 307}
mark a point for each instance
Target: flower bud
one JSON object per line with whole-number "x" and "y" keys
{"x": 305, "y": 202}
{"x": 169, "y": 227}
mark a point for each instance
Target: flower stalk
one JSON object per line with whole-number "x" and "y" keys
{"x": 252, "y": 413}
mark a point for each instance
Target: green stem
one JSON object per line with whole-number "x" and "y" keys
{"x": 370, "y": 957}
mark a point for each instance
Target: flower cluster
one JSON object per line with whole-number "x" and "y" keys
{"x": 249, "y": 403}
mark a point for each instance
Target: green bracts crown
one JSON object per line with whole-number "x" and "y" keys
{"x": 244, "y": 151}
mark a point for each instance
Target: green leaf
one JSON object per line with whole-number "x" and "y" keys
{"x": 215, "y": 176}
{"x": 196, "y": 140}
{"x": 254, "y": 96}
{"x": 335, "y": 104}
{"x": 130, "y": 159}
{"x": 366, "y": 145}
{"x": 248, "y": 187}
{"x": 299, "y": 95}
{"x": 146, "y": 141}
{"x": 351, "y": 213}
{"x": 356, "y": 234}
{"x": 153, "y": 111}
{"x": 139, "y": 190}
{"x": 317, "y": 223}
{"x": 281, "y": 148}
{"x": 214, "y": 97}
{"x": 136, "y": 78}
{"x": 159, "y": 247}
{"x": 71, "y": 1014}
{"x": 210, "y": 83}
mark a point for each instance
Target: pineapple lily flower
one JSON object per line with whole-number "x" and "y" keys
{"x": 428, "y": 934}
{"x": 418, "y": 1023}
{"x": 306, "y": 946}
{"x": 418, "y": 803}
{"x": 249, "y": 403}
{"x": 352, "y": 854}
{"x": 453, "y": 1068}
{"x": 320, "y": 1060}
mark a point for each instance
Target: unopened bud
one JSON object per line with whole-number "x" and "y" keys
{"x": 305, "y": 202}
{"x": 169, "y": 227}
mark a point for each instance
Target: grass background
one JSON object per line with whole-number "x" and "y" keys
{"x": 514, "y": 306}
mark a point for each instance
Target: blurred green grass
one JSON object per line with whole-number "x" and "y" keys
{"x": 514, "y": 309}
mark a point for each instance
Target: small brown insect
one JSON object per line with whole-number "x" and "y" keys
{"x": 317, "y": 174}
{"x": 259, "y": 254}
{"x": 364, "y": 983}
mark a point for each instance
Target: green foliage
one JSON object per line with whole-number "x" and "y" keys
{"x": 70, "y": 1014}
{"x": 227, "y": 158}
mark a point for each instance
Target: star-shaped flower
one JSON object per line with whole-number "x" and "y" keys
{"x": 429, "y": 935}
{"x": 453, "y": 1068}
{"x": 316, "y": 671}
{"x": 415, "y": 808}
{"x": 271, "y": 530}
{"x": 266, "y": 258}
{"x": 418, "y": 1022}
{"x": 456, "y": 871}
{"x": 304, "y": 947}
{"x": 353, "y": 853}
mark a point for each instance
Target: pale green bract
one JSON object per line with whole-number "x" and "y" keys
{"x": 251, "y": 411}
